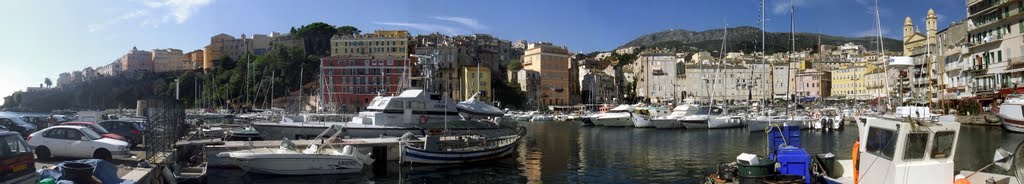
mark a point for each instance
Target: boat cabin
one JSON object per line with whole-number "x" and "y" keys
{"x": 411, "y": 107}
{"x": 906, "y": 150}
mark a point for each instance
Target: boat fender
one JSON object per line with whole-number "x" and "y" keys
{"x": 960, "y": 179}
{"x": 855, "y": 154}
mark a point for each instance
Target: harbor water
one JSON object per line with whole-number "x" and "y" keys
{"x": 564, "y": 152}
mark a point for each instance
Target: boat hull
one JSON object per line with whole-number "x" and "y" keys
{"x": 1013, "y": 117}
{"x": 298, "y": 164}
{"x": 667, "y": 123}
{"x": 725, "y": 122}
{"x": 415, "y": 155}
{"x": 298, "y": 131}
{"x": 615, "y": 121}
{"x": 642, "y": 121}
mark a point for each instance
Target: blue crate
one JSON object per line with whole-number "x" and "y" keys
{"x": 790, "y": 135}
{"x": 794, "y": 161}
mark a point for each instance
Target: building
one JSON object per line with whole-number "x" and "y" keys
{"x": 112, "y": 69}
{"x": 875, "y": 83}
{"x": 477, "y": 80}
{"x": 596, "y": 87}
{"x": 137, "y": 61}
{"x": 529, "y": 83}
{"x": 64, "y": 79}
{"x": 380, "y": 43}
{"x": 287, "y": 40}
{"x": 655, "y": 75}
{"x": 953, "y": 54}
{"x": 994, "y": 47}
{"x": 169, "y": 60}
{"x": 726, "y": 82}
{"x": 813, "y": 84}
{"x": 780, "y": 81}
{"x": 552, "y": 62}
{"x": 222, "y": 45}
{"x": 349, "y": 83}
{"x": 701, "y": 57}
{"x": 196, "y": 58}
{"x": 913, "y": 39}
{"x": 850, "y": 82}
{"x": 89, "y": 74}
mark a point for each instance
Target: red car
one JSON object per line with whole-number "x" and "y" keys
{"x": 96, "y": 128}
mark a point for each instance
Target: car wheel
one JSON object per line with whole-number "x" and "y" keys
{"x": 42, "y": 153}
{"x": 102, "y": 154}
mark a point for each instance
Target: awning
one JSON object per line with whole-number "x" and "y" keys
{"x": 1019, "y": 90}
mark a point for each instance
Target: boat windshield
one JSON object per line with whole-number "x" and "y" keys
{"x": 287, "y": 144}
{"x": 709, "y": 111}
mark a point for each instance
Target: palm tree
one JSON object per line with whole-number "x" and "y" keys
{"x": 48, "y": 82}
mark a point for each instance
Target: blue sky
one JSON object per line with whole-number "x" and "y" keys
{"x": 44, "y": 38}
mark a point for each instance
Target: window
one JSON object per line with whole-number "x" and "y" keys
{"x": 943, "y": 145}
{"x": 881, "y": 142}
{"x": 916, "y": 143}
{"x": 13, "y": 145}
{"x": 57, "y": 133}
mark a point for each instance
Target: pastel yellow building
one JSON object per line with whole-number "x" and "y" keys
{"x": 393, "y": 43}
{"x": 552, "y": 62}
{"x": 850, "y": 81}
{"x": 476, "y": 79}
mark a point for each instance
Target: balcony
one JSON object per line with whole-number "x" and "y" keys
{"x": 994, "y": 39}
{"x": 1015, "y": 63}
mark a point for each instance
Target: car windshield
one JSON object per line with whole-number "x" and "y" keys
{"x": 13, "y": 145}
{"x": 91, "y": 134}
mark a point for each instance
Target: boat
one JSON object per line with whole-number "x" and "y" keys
{"x": 642, "y": 117}
{"x": 541, "y": 117}
{"x": 831, "y": 120}
{"x": 672, "y": 120}
{"x": 701, "y": 119}
{"x": 384, "y": 116}
{"x": 621, "y": 116}
{"x": 316, "y": 159}
{"x": 458, "y": 149}
{"x": 473, "y": 108}
{"x": 247, "y": 133}
{"x": 729, "y": 121}
{"x": 1012, "y": 114}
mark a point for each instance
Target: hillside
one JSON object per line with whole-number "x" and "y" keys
{"x": 748, "y": 39}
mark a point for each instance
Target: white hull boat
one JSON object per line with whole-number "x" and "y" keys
{"x": 1012, "y": 115}
{"x": 615, "y": 120}
{"x": 667, "y": 123}
{"x": 316, "y": 159}
{"x": 725, "y": 122}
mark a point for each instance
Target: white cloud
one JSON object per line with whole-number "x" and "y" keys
{"x": 424, "y": 27}
{"x": 783, "y": 7}
{"x": 468, "y": 22}
{"x": 154, "y": 13}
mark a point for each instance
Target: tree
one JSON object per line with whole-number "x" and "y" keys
{"x": 514, "y": 65}
{"x": 348, "y": 30}
{"x": 317, "y": 37}
{"x": 48, "y": 82}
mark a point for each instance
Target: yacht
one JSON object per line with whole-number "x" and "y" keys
{"x": 642, "y": 117}
{"x": 672, "y": 120}
{"x": 700, "y": 119}
{"x": 620, "y": 116}
{"x": 384, "y": 116}
{"x": 1012, "y": 114}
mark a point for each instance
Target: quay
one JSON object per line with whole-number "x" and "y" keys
{"x": 215, "y": 146}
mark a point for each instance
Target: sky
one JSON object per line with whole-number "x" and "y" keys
{"x": 43, "y": 38}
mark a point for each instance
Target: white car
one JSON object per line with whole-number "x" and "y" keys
{"x": 75, "y": 141}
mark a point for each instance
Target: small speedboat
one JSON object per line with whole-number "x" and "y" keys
{"x": 620, "y": 116}
{"x": 316, "y": 159}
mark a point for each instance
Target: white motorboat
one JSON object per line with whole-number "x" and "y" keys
{"x": 672, "y": 119}
{"x": 642, "y": 117}
{"x": 541, "y": 118}
{"x": 1012, "y": 114}
{"x": 621, "y": 116}
{"x": 701, "y": 118}
{"x": 316, "y": 159}
{"x": 725, "y": 122}
{"x": 474, "y": 108}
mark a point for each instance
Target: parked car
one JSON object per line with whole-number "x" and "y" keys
{"x": 17, "y": 165}
{"x": 98, "y": 129}
{"x": 131, "y": 131}
{"x": 17, "y": 124}
{"x": 75, "y": 141}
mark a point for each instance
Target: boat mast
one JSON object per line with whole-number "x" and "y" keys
{"x": 881, "y": 51}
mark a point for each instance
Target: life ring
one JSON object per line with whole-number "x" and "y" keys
{"x": 423, "y": 119}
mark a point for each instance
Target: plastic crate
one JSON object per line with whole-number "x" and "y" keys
{"x": 794, "y": 161}
{"x": 790, "y": 135}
